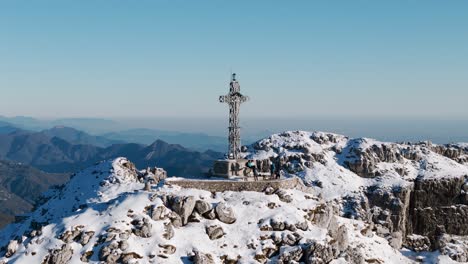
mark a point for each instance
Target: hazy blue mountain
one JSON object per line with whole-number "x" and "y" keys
{"x": 90, "y": 125}
{"x": 197, "y": 141}
{"x": 54, "y": 154}
{"x": 75, "y": 136}
{"x": 20, "y": 186}
{"x": 6, "y": 128}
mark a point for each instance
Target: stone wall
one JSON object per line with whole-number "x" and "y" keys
{"x": 238, "y": 186}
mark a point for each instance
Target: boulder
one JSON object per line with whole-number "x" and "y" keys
{"x": 225, "y": 214}
{"x": 316, "y": 252}
{"x": 159, "y": 213}
{"x": 176, "y": 220}
{"x": 214, "y": 232}
{"x": 201, "y": 258}
{"x": 168, "y": 249}
{"x": 168, "y": 231}
{"x": 418, "y": 243}
{"x": 211, "y": 215}
{"x": 183, "y": 206}
{"x": 86, "y": 237}
{"x": 194, "y": 218}
{"x": 11, "y": 248}
{"x": 396, "y": 240}
{"x": 59, "y": 256}
{"x": 290, "y": 254}
{"x": 142, "y": 228}
{"x": 203, "y": 207}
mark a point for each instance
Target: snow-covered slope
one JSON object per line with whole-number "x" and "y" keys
{"x": 367, "y": 199}
{"x": 106, "y": 213}
{"x": 341, "y": 165}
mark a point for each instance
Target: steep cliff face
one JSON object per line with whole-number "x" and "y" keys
{"x": 415, "y": 191}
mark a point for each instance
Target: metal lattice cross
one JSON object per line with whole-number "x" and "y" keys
{"x": 234, "y": 99}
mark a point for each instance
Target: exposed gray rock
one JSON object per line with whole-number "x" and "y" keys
{"x": 168, "y": 231}
{"x": 225, "y": 214}
{"x": 289, "y": 239}
{"x": 194, "y": 217}
{"x": 86, "y": 237}
{"x": 214, "y": 232}
{"x": 316, "y": 252}
{"x": 277, "y": 225}
{"x": 203, "y": 207}
{"x": 183, "y": 206}
{"x": 168, "y": 249}
{"x": 290, "y": 254}
{"x": 142, "y": 228}
{"x": 201, "y": 258}
{"x": 159, "y": 213}
{"x": 284, "y": 196}
{"x": 211, "y": 215}
{"x": 341, "y": 238}
{"x": 59, "y": 256}
{"x": 11, "y": 248}
{"x": 396, "y": 240}
{"x": 418, "y": 243}
{"x": 455, "y": 247}
{"x": 176, "y": 220}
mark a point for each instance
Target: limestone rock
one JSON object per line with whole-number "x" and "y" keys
{"x": 290, "y": 254}
{"x": 168, "y": 249}
{"x": 86, "y": 237}
{"x": 203, "y": 207}
{"x": 183, "y": 206}
{"x": 284, "y": 196}
{"x": 225, "y": 214}
{"x": 176, "y": 220}
{"x": 316, "y": 252}
{"x": 396, "y": 240}
{"x": 59, "y": 256}
{"x": 194, "y": 217}
{"x": 159, "y": 213}
{"x": 201, "y": 258}
{"x": 142, "y": 228}
{"x": 11, "y": 248}
{"x": 168, "y": 231}
{"x": 211, "y": 215}
{"x": 418, "y": 243}
{"x": 214, "y": 232}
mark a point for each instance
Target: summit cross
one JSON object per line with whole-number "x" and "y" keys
{"x": 234, "y": 99}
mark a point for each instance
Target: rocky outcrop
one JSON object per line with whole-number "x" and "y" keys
{"x": 438, "y": 207}
{"x": 59, "y": 256}
{"x": 183, "y": 206}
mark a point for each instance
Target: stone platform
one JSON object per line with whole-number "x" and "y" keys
{"x": 221, "y": 185}
{"x": 234, "y": 168}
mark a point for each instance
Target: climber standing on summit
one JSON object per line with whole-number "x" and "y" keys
{"x": 272, "y": 170}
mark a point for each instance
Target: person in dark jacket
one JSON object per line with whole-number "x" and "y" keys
{"x": 272, "y": 170}
{"x": 251, "y": 165}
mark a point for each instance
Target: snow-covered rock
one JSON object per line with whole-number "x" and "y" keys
{"x": 364, "y": 200}
{"x": 105, "y": 215}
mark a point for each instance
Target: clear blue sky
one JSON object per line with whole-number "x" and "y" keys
{"x": 294, "y": 58}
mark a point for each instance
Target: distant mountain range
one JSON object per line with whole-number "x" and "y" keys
{"x": 196, "y": 141}
{"x": 60, "y": 151}
{"x": 64, "y": 150}
{"x": 107, "y": 132}
{"x": 20, "y": 186}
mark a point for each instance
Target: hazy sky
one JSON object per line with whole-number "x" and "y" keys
{"x": 126, "y": 58}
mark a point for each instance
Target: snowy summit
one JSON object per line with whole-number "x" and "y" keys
{"x": 366, "y": 202}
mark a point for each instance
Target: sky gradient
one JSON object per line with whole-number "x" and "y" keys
{"x": 376, "y": 59}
